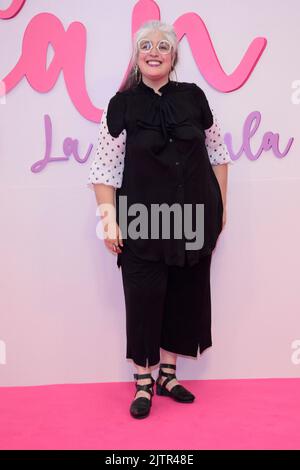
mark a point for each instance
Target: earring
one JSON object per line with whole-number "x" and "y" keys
{"x": 136, "y": 71}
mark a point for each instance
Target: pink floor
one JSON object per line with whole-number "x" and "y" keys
{"x": 227, "y": 414}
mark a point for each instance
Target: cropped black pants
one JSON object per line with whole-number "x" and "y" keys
{"x": 167, "y": 307}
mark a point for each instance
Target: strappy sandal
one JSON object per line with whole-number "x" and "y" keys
{"x": 140, "y": 407}
{"x": 178, "y": 392}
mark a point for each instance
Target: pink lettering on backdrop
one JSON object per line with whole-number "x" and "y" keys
{"x": 269, "y": 141}
{"x": 207, "y": 60}
{"x": 69, "y": 57}
{"x": 12, "y": 10}
{"x": 70, "y": 147}
{"x": 70, "y": 53}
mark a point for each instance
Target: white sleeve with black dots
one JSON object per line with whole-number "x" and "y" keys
{"x": 108, "y": 163}
{"x": 216, "y": 148}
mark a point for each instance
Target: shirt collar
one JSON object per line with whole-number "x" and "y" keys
{"x": 162, "y": 89}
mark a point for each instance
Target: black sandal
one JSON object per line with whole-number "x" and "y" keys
{"x": 140, "y": 407}
{"x": 178, "y": 392}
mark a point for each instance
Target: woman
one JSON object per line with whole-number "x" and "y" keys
{"x": 159, "y": 144}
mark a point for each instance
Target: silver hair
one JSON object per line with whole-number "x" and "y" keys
{"x": 148, "y": 27}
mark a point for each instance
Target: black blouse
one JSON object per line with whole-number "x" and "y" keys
{"x": 166, "y": 161}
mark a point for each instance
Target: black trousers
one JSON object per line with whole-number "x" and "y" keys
{"x": 167, "y": 307}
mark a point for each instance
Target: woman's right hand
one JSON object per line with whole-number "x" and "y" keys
{"x": 113, "y": 237}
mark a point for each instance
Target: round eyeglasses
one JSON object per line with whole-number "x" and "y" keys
{"x": 163, "y": 46}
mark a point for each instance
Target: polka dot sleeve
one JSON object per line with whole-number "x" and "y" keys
{"x": 108, "y": 162}
{"x": 216, "y": 148}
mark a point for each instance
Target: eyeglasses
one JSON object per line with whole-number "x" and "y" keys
{"x": 163, "y": 46}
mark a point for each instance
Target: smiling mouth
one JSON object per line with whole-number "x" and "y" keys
{"x": 154, "y": 63}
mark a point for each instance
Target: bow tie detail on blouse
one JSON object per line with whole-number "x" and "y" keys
{"x": 161, "y": 117}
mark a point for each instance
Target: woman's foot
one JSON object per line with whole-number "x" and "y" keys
{"x": 161, "y": 379}
{"x": 143, "y": 393}
{"x": 142, "y": 402}
{"x": 175, "y": 390}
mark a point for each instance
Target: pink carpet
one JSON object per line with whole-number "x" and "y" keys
{"x": 227, "y": 414}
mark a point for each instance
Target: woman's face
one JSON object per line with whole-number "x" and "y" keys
{"x": 155, "y": 72}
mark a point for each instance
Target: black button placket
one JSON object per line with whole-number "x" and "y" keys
{"x": 180, "y": 243}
